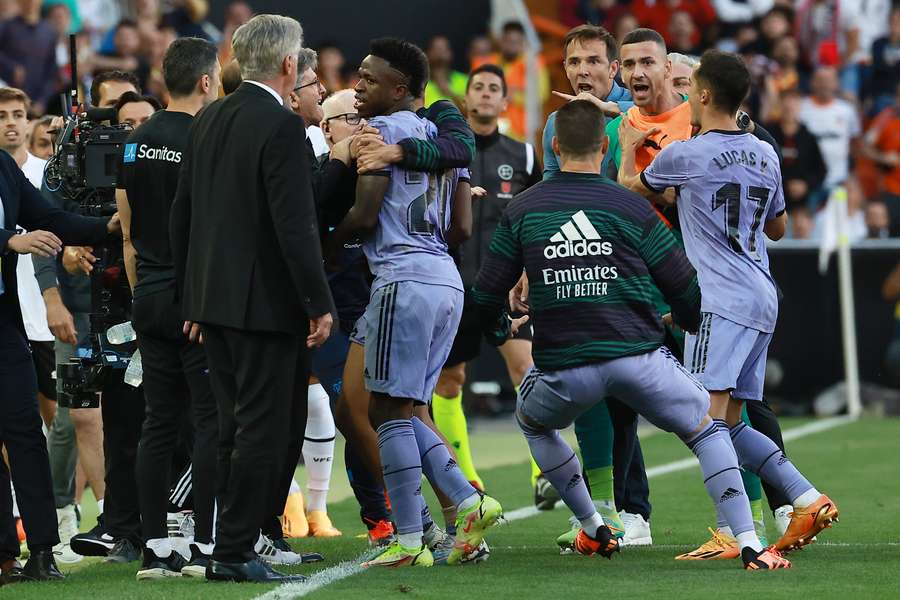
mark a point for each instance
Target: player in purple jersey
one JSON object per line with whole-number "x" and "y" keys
{"x": 404, "y": 220}
{"x": 729, "y": 195}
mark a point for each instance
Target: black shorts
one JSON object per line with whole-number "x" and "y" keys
{"x": 467, "y": 344}
{"x": 45, "y": 365}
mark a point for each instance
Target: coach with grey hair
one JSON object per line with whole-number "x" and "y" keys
{"x": 249, "y": 273}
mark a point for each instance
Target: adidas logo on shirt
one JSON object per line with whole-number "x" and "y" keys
{"x": 577, "y": 237}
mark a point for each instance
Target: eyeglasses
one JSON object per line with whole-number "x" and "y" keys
{"x": 313, "y": 82}
{"x": 349, "y": 118}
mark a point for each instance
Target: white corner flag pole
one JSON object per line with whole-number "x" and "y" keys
{"x": 848, "y": 311}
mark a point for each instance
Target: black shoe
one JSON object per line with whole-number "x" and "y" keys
{"x": 124, "y": 551}
{"x": 41, "y": 567}
{"x": 155, "y": 567}
{"x": 96, "y": 542}
{"x": 306, "y": 557}
{"x": 256, "y": 571}
{"x": 10, "y": 571}
{"x": 196, "y": 567}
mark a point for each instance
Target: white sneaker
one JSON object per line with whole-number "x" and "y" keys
{"x": 783, "y": 518}
{"x": 181, "y": 532}
{"x": 267, "y": 551}
{"x": 637, "y": 530}
{"x": 68, "y": 528}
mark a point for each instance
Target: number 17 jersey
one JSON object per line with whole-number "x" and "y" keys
{"x": 729, "y": 185}
{"x": 409, "y": 243}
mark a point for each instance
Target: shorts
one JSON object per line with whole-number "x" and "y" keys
{"x": 44, "y": 358}
{"x": 408, "y": 330}
{"x": 467, "y": 344}
{"x": 724, "y": 355}
{"x": 328, "y": 363}
{"x": 654, "y": 385}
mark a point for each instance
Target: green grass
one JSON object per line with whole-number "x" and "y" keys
{"x": 859, "y": 558}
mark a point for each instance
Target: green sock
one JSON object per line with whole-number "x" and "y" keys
{"x": 450, "y": 419}
{"x": 752, "y": 484}
{"x": 594, "y": 432}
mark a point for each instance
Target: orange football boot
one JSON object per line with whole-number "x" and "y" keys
{"x": 806, "y": 523}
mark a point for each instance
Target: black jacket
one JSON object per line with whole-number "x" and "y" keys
{"x": 24, "y": 205}
{"x": 245, "y": 239}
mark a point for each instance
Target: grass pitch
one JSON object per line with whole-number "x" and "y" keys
{"x": 860, "y": 558}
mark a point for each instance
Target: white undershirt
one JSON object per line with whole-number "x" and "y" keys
{"x": 34, "y": 312}
{"x": 268, "y": 89}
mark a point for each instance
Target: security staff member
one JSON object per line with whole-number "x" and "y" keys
{"x": 20, "y": 421}
{"x": 503, "y": 167}
{"x": 176, "y": 380}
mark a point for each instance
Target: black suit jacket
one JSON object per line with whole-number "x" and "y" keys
{"x": 25, "y": 206}
{"x": 243, "y": 227}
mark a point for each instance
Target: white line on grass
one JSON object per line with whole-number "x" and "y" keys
{"x": 349, "y": 568}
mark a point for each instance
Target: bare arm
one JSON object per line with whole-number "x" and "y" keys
{"x": 363, "y": 215}
{"x": 461, "y": 217}
{"x": 630, "y": 140}
{"x": 128, "y": 250}
{"x": 775, "y": 228}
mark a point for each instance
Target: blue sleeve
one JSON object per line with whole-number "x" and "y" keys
{"x": 624, "y": 105}
{"x": 551, "y": 162}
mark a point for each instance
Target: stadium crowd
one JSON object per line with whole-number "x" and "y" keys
{"x": 825, "y": 92}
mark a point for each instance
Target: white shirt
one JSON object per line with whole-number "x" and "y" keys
{"x": 834, "y": 125}
{"x": 317, "y": 139}
{"x": 268, "y": 89}
{"x": 34, "y": 312}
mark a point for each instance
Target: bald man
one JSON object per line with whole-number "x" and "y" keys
{"x": 340, "y": 119}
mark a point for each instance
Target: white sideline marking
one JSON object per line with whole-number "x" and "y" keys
{"x": 349, "y": 568}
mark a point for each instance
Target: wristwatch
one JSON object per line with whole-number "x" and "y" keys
{"x": 743, "y": 120}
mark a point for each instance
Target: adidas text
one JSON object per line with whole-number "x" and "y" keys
{"x": 568, "y": 249}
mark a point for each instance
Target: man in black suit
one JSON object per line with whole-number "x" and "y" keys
{"x": 250, "y": 276}
{"x": 20, "y": 421}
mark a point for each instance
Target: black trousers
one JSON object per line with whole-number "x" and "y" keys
{"x": 122, "y": 407}
{"x": 631, "y": 488}
{"x": 20, "y": 433}
{"x": 177, "y": 389}
{"x": 254, "y": 378}
{"x": 763, "y": 419}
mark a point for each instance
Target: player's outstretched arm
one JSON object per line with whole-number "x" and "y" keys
{"x": 630, "y": 140}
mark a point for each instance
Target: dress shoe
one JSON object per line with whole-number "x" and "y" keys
{"x": 41, "y": 566}
{"x": 256, "y": 571}
{"x": 10, "y": 571}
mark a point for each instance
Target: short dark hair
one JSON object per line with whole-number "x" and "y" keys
{"x": 726, "y": 77}
{"x": 488, "y": 68}
{"x": 407, "y": 58}
{"x": 130, "y": 97}
{"x": 126, "y": 22}
{"x": 580, "y": 128}
{"x": 185, "y": 62}
{"x": 587, "y": 33}
{"x": 643, "y": 34}
{"x": 101, "y": 78}
{"x": 513, "y": 26}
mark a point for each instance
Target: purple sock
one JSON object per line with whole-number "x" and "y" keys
{"x": 762, "y": 456}
{"x": 402, "y": 473}
{"x": 439, "y": 467}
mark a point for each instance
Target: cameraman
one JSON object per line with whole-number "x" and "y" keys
{"x": 175, "y": 374}
{"x": 67, "y": 296}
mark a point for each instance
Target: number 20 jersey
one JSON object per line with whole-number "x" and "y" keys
{"x": 729, "y": 185}
{"x": 409, "y": 243}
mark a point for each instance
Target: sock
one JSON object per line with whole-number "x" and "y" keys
{"x": 318, "y": 448}
{"x": 592, "y": 524}
{"x": 162, "y": 547}
{"x": 100, "y": 506}
{"x": 561, "y": 467}
{"x": 756, "y": 509}
{"x": 748, "y": 539}
{"x": 206, "y": 549}
{"x": 450, "y": 513}
{"x": 760, "y": 455}
{"x": 594, "y": 432}
{"x": 807, "y": 498}
{"x": 751, "y": 480}
{"x": 427, "y": 521}
{"x": 439, "y": 467}
{"x": 451, "y": 420}
{"x": 722, "y": 478}
{"x": 402, "y": 468}
{"x": 411, "y": 540}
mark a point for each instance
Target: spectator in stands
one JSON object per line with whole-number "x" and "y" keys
{"x": 98, "y": 17}
{"x": 786, "y": 74}
{"x": 188, "y": 18}
{"x": 331, "y": 61}
{"x": 856, "y": 213}
{"x": 878, "y": 221}
{"x": 802, "y": 168}
{"x": 657, "y": 15}
{"x": 40, "y": 142}
{"x": 735, "y": 12}
{"x": 623, "y": 25}
{"x": 134, "y": 109}
{"x": 511, "y": 59}
{"x": 236, "y": 14}
{"x": 882, "y": 144}
{"x": 886, "y": 64}
{"x": 445, "y": 83}
{"x": 480, "y": 50}
{"x": 828, "y": 31}
{"x": 834, "y": 122}
{"x": 108, "y": 86}
{"x": 596, "y": 12}
{"x": 28, "y": 54}
{"x": 683, "y": 34}
{"x": 774, "y": 26}
{"x": 126, "y": 56}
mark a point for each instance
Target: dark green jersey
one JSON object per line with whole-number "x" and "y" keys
{"x": 594, "y": 253}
